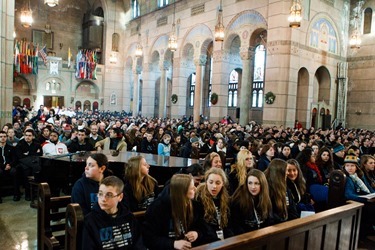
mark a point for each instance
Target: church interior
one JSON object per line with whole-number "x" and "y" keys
{"x": 269, "y": 61}
{"x": 272, "y": 62}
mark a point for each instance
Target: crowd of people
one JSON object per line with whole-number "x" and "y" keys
{"x": 250, "y": 176}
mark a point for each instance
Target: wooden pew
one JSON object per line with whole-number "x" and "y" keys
{"x": 73, "y": 227}
{"x": 336, "y": 228}
{"x": 51, "y": 219}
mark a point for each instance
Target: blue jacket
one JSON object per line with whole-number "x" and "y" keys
{"x": 84, "y": 193}
{"x": 352, "y": 191}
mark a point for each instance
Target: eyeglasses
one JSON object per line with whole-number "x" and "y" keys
{"x": 107, "y": 195}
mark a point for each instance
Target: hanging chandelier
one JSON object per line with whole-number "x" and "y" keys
{"x": 27, "y": 17}
{"x": 219, "y": 27}
{"x": 172, "y": 41}
{"x": 51, "y": 3}
{"x": 115, "y": 40}
{"x": 295, "y": 15}
{"x": 139, "y": 48}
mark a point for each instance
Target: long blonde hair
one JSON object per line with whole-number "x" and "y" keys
{"x": 141, "y": 186}
{"x": 205, "y": 197}
{"x": 182, "y": 208}
{"x": 240, "y": 166}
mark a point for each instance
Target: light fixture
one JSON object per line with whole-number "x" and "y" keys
{"x": 172, "y": 41}
{"x": 51, "y": 3}
{"x": 219, "y": 27}
{"x": 115, "y": 40}
{"x": 27, "y": 17}
{"x": 295, "y": 15}
{"x": 355, "y": 39}
{"x": 139, "y": 48}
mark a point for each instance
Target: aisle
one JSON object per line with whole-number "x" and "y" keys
{"x": 18, "y": 225}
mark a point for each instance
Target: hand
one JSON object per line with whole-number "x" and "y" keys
{"x": 98, "y": 149}
{"x": 191, "y": 236}
{"x": 7, "y": 167}
{"x": 181, "y": 244}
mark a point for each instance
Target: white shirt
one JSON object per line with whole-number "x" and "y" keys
{"x": 54, "y": 149}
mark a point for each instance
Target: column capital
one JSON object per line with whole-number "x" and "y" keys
{"x": 201, "y": 60}
{"x": 247, "y": 53}
{"x": 165, "y": 65}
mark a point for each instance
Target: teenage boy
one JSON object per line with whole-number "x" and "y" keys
{"x": 110, "y": 225}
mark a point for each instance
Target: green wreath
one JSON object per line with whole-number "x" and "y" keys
{"x": 269, "y": 97}
{"x": 174, "y": 98}
{"x": 214, "y": 98}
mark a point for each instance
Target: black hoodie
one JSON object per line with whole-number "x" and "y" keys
{"x": 103, "y": 231}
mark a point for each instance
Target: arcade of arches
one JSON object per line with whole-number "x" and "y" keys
{"x": 312, "y": 71}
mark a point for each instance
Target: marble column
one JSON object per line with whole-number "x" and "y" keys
{"x": 200, "y": 63}
{"x": 163, "y": 90}
{"x": 6, "y": 61}
{"x": 136, "y": 90}
{"x": 247, "y": 56}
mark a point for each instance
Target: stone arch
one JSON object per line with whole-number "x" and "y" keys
{"x": 322, "y": 27}
{"x": 159, "y": 45}
{"x": 323, "y": 78}
{"x": 302, "y": 99}
{"x": 200, "y": 36}
{"x": 243, "y": 24}
{"x": 86, "y": 88}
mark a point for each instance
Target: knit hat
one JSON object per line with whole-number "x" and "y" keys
{"x": 351, "y": 157}
{"x": 194, "y": 139}
{"x": 338, "y": 147}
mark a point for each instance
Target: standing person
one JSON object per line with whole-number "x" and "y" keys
{"x": 283, "y": 206}
{"x": 7, "y": 160}
{"x": 140, "y": 188}
{"x": 27, "y": 154}
{"x": 213, "y": 205}
{"x": 238, "y": 173}
{"x": 355, "y": 186}
{"x": 251, "y": 206}
{"x": 169, "y": 221}
{"x": 110, "y": 225}
{"x": 367, "y": 166}
{"x": 164, "y": 146}
{"x": 85, "y": 189}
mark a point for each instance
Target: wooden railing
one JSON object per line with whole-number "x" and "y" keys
{"x": 336, "y": 228}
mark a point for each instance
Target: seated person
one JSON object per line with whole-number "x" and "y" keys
{"x": 53, "y": 146}
{"x": 81, "y": 143}
{"x": 147, "y": 144}
{"x": 111, "y": 225}
{"x": 140, "y": 188}
{"x": 115, "y": 141}
{"x": 85, "y": 189}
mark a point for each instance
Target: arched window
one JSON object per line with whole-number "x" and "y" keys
{"x": 163, "y": 3}
{"x": 367, "y": 20}
{"x": 136, "y": 8}
{"x": 233, "y": 89}
{"x": 258, "y": 79}
{"x": 192, "y": 89}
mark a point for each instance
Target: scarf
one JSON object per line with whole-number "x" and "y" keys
{"x": 315, "y": 168}
{"x": 359, "y": 183}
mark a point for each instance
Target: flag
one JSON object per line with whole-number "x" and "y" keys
{"x": 43, "y": 54}
{"x": 35, "y": 60}
{"x": 69, "y": 58}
